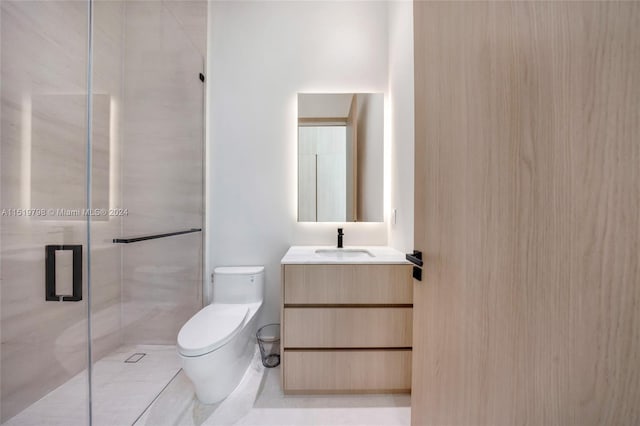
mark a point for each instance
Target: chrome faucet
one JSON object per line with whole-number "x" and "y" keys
{"x": 340, "y": 235}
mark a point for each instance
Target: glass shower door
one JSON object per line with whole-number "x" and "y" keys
{"x": 43, "y": 227}
{"x": 89, "y": 325}
{"x": 146, "y": 251}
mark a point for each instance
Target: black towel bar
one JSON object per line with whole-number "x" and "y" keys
{"x": 153, "y": 237}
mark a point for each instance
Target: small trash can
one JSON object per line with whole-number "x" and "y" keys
{"x": 269, "y": 342}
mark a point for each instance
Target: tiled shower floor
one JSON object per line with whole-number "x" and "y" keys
{"x": 121, "y": 391}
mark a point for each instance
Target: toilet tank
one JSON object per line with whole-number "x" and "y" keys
{"x": 238, "y": 284}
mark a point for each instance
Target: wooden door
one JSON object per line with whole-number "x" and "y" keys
{"x": 527, "y": 207}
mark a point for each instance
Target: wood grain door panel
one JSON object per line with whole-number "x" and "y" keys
{"x": 527, "y": 192}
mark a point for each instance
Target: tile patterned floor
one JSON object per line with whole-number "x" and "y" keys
{"x": 121, "y": 392}
{"x": 258, "y": 400}
{"x": 155, "y": 392}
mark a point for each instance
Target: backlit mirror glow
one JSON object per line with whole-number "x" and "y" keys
{"x": 340, "y": 157}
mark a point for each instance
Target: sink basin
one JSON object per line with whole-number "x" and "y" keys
{"x": 344, "y": 253}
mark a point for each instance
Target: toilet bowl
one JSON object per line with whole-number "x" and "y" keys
{"x": 217, "y": 344}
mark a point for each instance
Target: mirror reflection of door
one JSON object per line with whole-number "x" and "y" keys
{"x": 323, "y": 173}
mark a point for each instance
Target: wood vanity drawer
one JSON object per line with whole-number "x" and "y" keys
{"x": 352, "y": 371}
{"x": 361, "y": 327}
{"x": 348, "y": 284}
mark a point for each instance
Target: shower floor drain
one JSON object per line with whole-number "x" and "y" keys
{"x": 135, "y": 358}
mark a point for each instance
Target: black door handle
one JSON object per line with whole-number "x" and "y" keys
{"x": 50, "y": 273}
{"x": 416, "y": 259}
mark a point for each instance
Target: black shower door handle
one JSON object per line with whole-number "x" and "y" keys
{"x": 50, "y": 273}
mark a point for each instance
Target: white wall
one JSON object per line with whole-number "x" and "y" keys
{"x": 261, "y": 55}
{"x": 402, "y": 122}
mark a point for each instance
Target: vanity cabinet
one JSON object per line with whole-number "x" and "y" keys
{"x": 346, "y": 328}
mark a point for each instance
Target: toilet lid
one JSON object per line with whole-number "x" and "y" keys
{"x": 210, "y": 328}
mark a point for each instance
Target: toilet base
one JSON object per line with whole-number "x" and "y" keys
{"x": 216, "y": 374}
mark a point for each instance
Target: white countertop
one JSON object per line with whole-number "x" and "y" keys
{"x": 308, "y": 255}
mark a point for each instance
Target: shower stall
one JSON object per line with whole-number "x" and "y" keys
{"x": 102, "y": 139}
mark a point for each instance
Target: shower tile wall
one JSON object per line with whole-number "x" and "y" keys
{"x": 162, "y": 167}
{"x": 44, "y": 62}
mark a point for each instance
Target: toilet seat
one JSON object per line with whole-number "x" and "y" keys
{"x": 211, "y": 328}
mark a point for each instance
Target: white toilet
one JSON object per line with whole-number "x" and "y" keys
{"x": 217, "y": 344}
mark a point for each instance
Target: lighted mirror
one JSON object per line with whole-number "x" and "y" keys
{"x": 340, "y": 157}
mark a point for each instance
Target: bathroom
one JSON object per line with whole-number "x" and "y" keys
{"x": 152, "y": 163}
